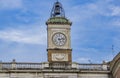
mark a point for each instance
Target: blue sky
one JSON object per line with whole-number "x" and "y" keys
{"x": 95, "y": 28}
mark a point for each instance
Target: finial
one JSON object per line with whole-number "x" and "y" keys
{"x": 57, "y": 1}
{"x": 13, "y": 61}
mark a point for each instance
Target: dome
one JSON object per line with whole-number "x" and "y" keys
{"x": 58, "y": 20}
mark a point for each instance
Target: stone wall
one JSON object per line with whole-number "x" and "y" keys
{"x": 115, "y": 67}
{"x": 93, "y": 75}
{"x": 21, "y": 75}
{"x": 52, "y": 75}
{"x": 117, "y": 75}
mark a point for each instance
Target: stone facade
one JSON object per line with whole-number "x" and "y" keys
{"x": 115, "y": 66}
{"x": 44, "y": 70}
{"x": 51, "y": 75}
{"x": 60, "y": 63}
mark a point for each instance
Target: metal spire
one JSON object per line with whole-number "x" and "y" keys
{"x": 57, "y": 10}
{"x": 113, "y": 50}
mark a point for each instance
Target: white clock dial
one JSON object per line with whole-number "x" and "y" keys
{"x": 59, "y": 39}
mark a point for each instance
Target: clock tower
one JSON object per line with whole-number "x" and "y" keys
{"x": 58, "y": 36}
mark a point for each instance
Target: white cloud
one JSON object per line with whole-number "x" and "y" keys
{"x": 79, "y": 13}
{"x": 10, "y": 4}
{"x": 24, "y": 36}
{"x": 116, "y": 23}
{"x": 84, "y": 12}
{"x": 115, "y": 11}
{"x": 107, "y": 8}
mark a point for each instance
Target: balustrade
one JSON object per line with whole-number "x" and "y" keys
{"x": 93, "y": 67}
{"x": 37, "y": 66}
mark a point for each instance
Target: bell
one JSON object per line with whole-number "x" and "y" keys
{"x": 57, "y": 9}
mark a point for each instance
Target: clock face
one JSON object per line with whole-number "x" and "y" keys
{"x": 59, "y": 57}
{"x": 59, "y": 39}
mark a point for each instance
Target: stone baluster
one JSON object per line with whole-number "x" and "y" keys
{"x": 0, "y": 65}
{"x": 13, "y": 64}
